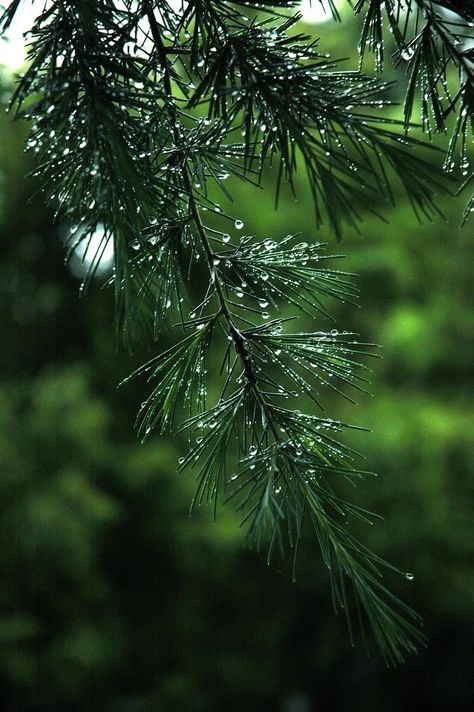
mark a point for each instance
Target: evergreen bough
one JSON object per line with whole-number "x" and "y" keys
{"x": 138, "y": 110}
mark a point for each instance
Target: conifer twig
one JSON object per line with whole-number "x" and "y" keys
{"x": 134, "y": 110}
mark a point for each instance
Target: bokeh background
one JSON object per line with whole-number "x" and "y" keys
{"x": 113, "y": 599}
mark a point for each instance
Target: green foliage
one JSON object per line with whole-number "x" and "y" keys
{"x": 133, "y": 110}
{"x": 431, "y": 39}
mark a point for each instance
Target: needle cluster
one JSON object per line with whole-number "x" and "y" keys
{"x": 435, "y": 43}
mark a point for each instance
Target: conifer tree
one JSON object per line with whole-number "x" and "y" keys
{"x": 139, "y": 111}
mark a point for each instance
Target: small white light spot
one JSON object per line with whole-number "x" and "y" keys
{"x": 92, "y": 252}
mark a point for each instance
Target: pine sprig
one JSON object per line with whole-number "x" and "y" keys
{"x": 181, "y": 374}
{"x": 285, "y": 483}
{"x": 306, "y": 358}
{"x": 138, "y": 112}
{"x": 434, "y": 40}
{"x": 289, "y": 99}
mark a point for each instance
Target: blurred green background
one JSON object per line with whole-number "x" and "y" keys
{"x": 113, "y": 599}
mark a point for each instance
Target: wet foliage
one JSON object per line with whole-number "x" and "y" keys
{"x": 143, "y": 115}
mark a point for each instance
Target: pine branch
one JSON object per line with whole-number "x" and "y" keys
{"x": 134, "y": 111}
{"x": 431, "y": 43}
{"x": 301, "y": 106}
{"x": 249, "y": 413}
